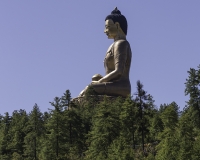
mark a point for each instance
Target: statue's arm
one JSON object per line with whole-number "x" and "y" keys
{"x": 120, "y": 56}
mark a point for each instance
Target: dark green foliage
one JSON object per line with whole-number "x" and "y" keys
{"x": 64, "y": 131}
{"x": 196, "y": 146}
{"x": 17, "y": 130}
{"x": 123, "y": 146}
{"x": 168, "y": 146}
{"x": 128, "y": 119}
{"x": 12, "y": 133}
{"x": 34, "y": 131}
{"x": 193, "y": 90}
{"x": 5, "y": 138}
{"x": 145, "y": 105}
{"x": 55, "y": 136}
{"x": 156, "y": 126}
{"x": 107, "y": 128}
{"x": 186, "y": 137}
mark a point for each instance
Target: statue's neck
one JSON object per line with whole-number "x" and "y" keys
{"x": 120, "y": 36}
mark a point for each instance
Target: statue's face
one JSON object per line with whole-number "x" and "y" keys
{"x": 111, "y": 29}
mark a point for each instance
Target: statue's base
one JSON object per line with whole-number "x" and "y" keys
{"x": 81, "y": 100}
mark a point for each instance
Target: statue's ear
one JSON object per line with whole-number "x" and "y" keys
{"x": 117, "y": 25}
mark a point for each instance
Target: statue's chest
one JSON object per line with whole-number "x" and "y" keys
{"x": 109, "y": 60}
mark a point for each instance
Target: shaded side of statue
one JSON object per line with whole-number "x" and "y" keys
{"x": 117, "y": 60}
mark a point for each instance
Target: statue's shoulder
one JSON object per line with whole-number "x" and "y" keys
{"x": 121, "y": 43}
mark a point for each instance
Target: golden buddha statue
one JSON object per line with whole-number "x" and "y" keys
{"x": 117, "y": 60}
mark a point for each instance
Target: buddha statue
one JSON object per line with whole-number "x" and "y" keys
{"x": 117, "y": 60}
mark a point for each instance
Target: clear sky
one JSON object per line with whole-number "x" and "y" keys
{"x": 49, "y": 46}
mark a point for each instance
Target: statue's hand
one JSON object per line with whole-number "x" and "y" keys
{"x": 101, "y": 80}
{"x": 96, "y": 77}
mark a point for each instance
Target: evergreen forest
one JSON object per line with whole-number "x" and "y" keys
{"x": 107, "y": 129}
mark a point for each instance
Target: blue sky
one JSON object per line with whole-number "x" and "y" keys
{"x": 47, "y": 47}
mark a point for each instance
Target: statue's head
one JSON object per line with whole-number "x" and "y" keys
{"x": 115, "y": 23}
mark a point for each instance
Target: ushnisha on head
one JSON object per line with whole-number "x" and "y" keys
{"x": 116, "y": 25}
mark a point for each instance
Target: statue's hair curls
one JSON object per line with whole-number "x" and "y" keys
{"x": 116, "y": 16}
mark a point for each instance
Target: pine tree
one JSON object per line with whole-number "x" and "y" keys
{"x": 192, "y": 89}
{"x": 34, "y": 130}
{"x": 5, "y": 138}
{"x": 105, "y": 129}
{"x": 17, "y": 133}
{"x": 146, "y": 111}
{"x": 156, "y": 126}
{"x": 63, "y": 139}
{"x": 86, "y": 111}
{"x": 128, "y": 118}
{"x": 196, "y": 146}
{"x": 75, "y": 131}
{"x": 123, "y": 146}
{"x": 168, "y": 146}
{"x": 54, "y": 127}
{"x": 186, "y": 137}
{"x": 12, "y": 135}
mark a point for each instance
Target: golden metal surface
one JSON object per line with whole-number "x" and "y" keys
{"x": 116, "y": 63}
